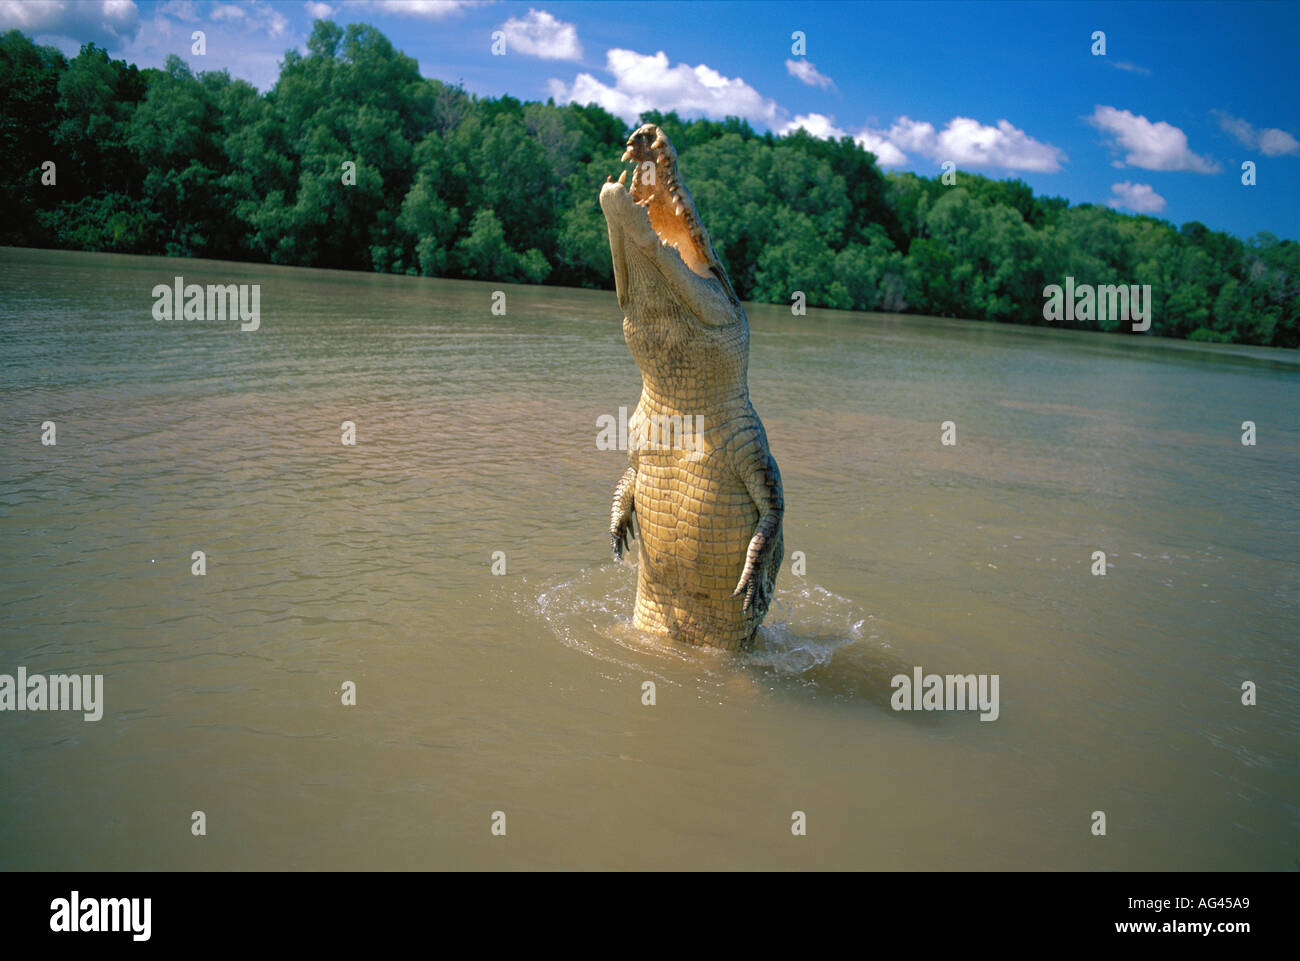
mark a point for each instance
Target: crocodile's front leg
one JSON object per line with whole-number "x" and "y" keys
{"x": 763, "y": 560}
{"x": 620, "y": 519}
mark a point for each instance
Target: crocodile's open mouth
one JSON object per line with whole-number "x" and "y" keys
{"x": 657, "y": 189}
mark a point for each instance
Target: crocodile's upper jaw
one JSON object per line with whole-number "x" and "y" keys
{"x": 657, "y": 210}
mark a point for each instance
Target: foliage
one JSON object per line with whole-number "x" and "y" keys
{"x": 353, "y": 160}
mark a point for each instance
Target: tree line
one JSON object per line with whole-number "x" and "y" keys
{"x": 448, "y": 184}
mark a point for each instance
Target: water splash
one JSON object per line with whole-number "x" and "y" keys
{"x": 590, "y": 612}
{"x": 807, "y": 625}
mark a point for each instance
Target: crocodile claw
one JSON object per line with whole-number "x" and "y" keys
{"x": 621, "y": 539}
{"x": 754, "y": 582}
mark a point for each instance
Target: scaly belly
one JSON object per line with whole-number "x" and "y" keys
{"x": 695, "y": 519}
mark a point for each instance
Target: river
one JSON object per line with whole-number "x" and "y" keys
{"x": 333, "y": 569}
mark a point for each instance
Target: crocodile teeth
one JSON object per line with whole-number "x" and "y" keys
{"x": 609, "y": 180}
{"x": 622, "y": 177}
{"x": 678, "y": 210}
{"x": 627, "y": 154}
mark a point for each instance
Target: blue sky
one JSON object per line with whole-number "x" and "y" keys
{"x": 1161, "y": 124}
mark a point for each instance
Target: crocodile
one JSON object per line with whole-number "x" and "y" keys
{"x": 707, "y": 511}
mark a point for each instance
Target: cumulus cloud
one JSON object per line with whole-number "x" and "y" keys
{"x": 967, "y": 143}
{"x": 104, "y": 22}
{"x": 1139, "y": 197}
{"x": 647, "y": 82}
{"x": 820, "y": 125}
{"x": 261, "y": 17}
{"x": 226, "y": 11}
{"x": 249, "y": 45}
{"x": 1271, "y": 142}
{"x": 817, "y": 124}
{"x": 318, "y": 11}
{"x": 541, "y": 35}
{"x": 887, "y": 154}
{"x": 426, "y": 9}
{"x": 911, "y": 134}
{"x": 805, "y": 72}
{"x": 964, "y": 141}
{"x": 1151, "y": 146}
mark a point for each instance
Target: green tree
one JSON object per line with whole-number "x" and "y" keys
{"x": 354, "y": 160}
{"x": 29, "y": 77}
{"x": 485, "y": 253}
{"x": 430, "y": 224}
{"x": 800, "y": 261}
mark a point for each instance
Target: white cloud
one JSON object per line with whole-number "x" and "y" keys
{"x": 647, "y": 82}
{"x": 1275, "y": 143}
{"x": 423, "y": 9}
{"x": 820, "y": 125}
{"x": 275, "y": 22}
{"x": 911, "y": 134}
{"x": 1271, "y": 142}
{"x": 805, "y": 72}
{"x": 186, "y": 10}
{"x": 1151, "y": 146}
{"x": 887, "y": 154}
{"x": 1240, "y": 129}
{"x": 1129, "y": 67}
{"x": 817, "y": 124}
{"x": 426, "y": 9}
{"x": 541, "y": 35}
{"x": 966, "y": 142}
{"x": 105, "y": 22}
{"x": 1139, "y": 197}
{"x": 250, "y": 47}
{"x": 256, "y": 15}
{"x": 970, "y": 144}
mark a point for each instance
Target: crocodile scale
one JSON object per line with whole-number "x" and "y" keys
{"x": 702, "y": 491}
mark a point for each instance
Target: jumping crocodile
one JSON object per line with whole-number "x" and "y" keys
{"x": 709, "y": 511}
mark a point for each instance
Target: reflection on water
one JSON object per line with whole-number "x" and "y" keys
{"x": 523, "y": 692}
